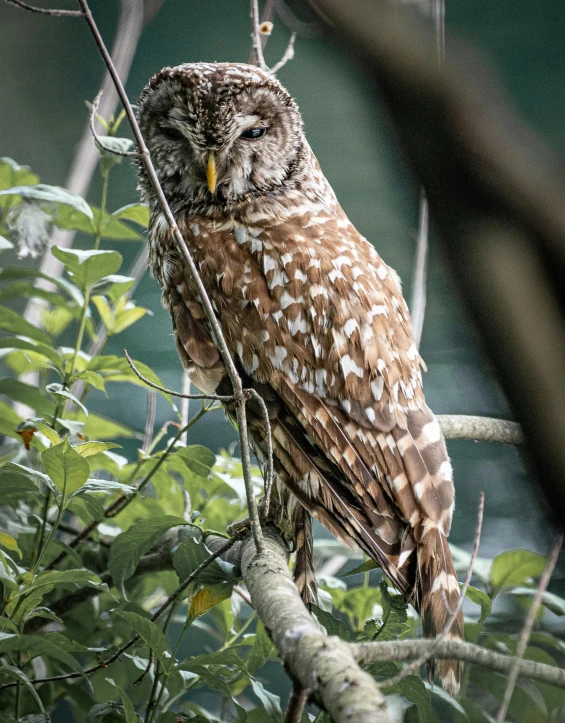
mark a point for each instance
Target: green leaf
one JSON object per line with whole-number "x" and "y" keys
{"x": 394, "y": 615}
{"x": 363, "y": 567}
{"x": 15, "y": 486}
{"x": 129, "y": 710}
{"x": 9, "y": 543}
{"x": 150, "y": 633}
{"x": 59, "y": 390}
{"x": 414, "y": 690}
{"x": 261, "y": 651}
{"x": 104, "y": 428}
{"x": 190, "y": 554}
{"x": 101, "y": 710}
{"x": 68, "y": 470}
{"x": 45, "y": 429}
{"x": 270, "y": 702}
{"x": 12, "y": 174}
{"x": 36, "y": 645}
{"x": 128, "y": 547}
{"x": 117, "y": 369}
{"x": 208, "y": 598}
{"x": 17, "y": 674}
{"x": 16, "y": 324}
{"x": 515, "y": 567}
{"x": 198, "y": 459}
{"x": 136, "y": 212}
{"x": 114, "y": 286}
{"x": 26, "y": 289}
{"x": 127, "y": 317}
{"x": 51, "y": 194}
{"x": 67, "y": 577}
{"x": 110, "y": 227}
{"x": 34, "y": 347}
{"x": 88, "y": 267}
{"x": 89, "y": 448}
{"x": 482, "y": 599}
{"x": 104, "y": 485}
{"x": 332, "y": 625}
{"x": 25, "y": 394}
{"x": 551, "y": 601}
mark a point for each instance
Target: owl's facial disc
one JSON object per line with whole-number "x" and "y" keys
{"x": 219, "y": 131}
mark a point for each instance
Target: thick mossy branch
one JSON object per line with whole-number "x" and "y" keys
{"x": 323, "y": 665}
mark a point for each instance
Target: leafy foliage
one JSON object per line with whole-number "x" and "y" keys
{"x": 91, "y": 536}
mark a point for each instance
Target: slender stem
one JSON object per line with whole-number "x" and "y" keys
{"x": 49, "y": 537}
{"x": 527, "y": 629}
{"x": 98, "y": 234}
{"x": 215, "y": 325}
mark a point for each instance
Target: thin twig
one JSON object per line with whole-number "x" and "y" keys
{"x": 165, "y": 390}
{"x": 150, "y": 420}
{"x": 296, "y": 703}
{"x": 527, "y": 629}
{"x": 256, "y": 35}
{"x": 452, "y": 617}
{"x": 45, "y": 11}
{"x": 288, "y": 55}
{"x": 269, "y": 440}
{"x": 185, "y": 404}
{"x": 156, "y": 615}
{"x": 419, "y": 280}
{"x": 98, "y": 139}
{"x": 216, "y": 328}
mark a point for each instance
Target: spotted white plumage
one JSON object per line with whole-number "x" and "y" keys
{"x": 313, "y": 317}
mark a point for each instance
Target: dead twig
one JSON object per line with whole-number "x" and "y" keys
{"x": 47, "y": 11}
{"x": 527, "y": 629}
{"x": 98, "y": 139}
{"x": 287, "y": 55}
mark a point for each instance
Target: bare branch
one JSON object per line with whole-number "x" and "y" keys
{"x": 404, "y": 650}
{"x": 323, "y": 664}
{"x": 256, "y": 35}
{"x": 287, "y": 55}
{"x": 296, "y": 703}
{"x": 150, "y": 419}
{"x": 45, "y": 11}
{"x": 419, "y": 280}
{"x": 480, "y": 429}
{"x": 97, "y": 139}
{"x": 165, "y": 390}
{"x": 527, "y": 629}
{"x": 269, "y": 441}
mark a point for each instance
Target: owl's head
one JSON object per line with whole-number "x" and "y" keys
{"x": 218, "y": 132}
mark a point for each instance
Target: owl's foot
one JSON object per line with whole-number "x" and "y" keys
{"x": 241, "y": 527}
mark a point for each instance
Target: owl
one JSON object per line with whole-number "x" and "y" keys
{"x": 315, "y": 322}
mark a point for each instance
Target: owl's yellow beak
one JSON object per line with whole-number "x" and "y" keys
{"x": 211, "y": 174}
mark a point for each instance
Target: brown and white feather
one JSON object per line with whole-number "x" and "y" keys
{"x": 316, "y": 322}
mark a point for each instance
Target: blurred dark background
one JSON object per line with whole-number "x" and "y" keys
{"x": 50, "y": 67}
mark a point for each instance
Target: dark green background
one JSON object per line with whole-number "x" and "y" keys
{"x": 49, "y": 67}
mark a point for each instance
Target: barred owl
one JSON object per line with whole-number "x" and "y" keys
{"x": 314, "y": 320}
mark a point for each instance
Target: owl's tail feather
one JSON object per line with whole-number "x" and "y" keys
{"x": 437, "y": 594}
{"x": 304, "y": 576}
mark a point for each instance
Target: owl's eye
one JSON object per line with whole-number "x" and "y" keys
{"x": 173, "y": 134}
{"x": 252, "y": 134}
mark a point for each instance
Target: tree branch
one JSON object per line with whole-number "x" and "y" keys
{"x": 480, "y": 429}
{"x": 323, "y": 665}
{"x": 406, "y": 650}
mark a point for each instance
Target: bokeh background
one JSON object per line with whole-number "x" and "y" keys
{"x": 50, "y": 67}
